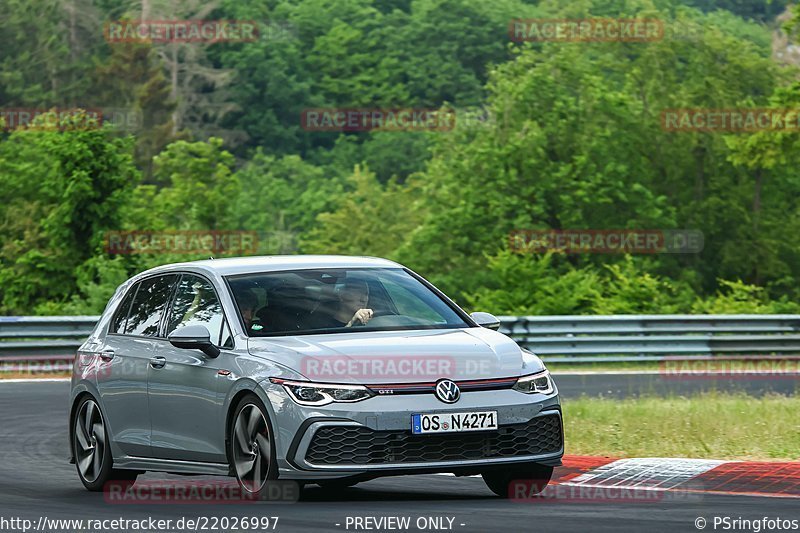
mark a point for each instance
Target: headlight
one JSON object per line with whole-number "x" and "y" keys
{"x": 315, "y": 394}
{"x": 541, "y": 383}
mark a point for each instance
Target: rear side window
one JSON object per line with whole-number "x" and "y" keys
{"x": 196, "y": 303}
{"x": 148, "y": 305}
{"x": 121, "y": 316}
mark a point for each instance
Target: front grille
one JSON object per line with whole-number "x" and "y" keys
{"x": 357, "y": 445}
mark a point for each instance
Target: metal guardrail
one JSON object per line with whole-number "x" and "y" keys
{"x": 621, "y": 338}
{"x": 46, "y": 343}
{"x": 565, "y": 338}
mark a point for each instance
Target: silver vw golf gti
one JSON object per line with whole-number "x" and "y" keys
{"x": 319, "y": 369}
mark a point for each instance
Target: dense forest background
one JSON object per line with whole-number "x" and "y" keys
{"x": 548, "y": 135}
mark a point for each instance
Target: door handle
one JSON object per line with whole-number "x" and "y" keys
{"x": 107, "y": 355}
{"x": 158, "y": 362}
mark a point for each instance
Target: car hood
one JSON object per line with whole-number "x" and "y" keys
{"x": 385, "y": 357}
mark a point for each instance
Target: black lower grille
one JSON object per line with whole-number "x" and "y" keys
{"x": 357, "y": 445}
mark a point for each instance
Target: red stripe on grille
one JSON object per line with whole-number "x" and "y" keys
{"x": 501, "y": 381}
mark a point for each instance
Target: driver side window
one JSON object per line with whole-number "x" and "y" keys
{"x": 196, "y": 303}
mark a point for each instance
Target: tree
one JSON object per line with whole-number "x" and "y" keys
{"x": 370, "y": 219}
{"x": 576, "y": 142}
{"x": 282, "y": 196}
{"x": 201, "y": 186}
{"x": 63, "y": 186}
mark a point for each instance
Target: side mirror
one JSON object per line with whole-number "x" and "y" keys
{"x": 486, "y": 320}
{"x": 194, "y": 338}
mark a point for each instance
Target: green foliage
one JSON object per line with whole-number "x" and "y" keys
{"x": 282, "y": 194}
{"x": 370, "y": 219}
{"x": 201, "y": 185}
{"x": 550, "y": 285}
{"x": 735, "y": 297}
{"x": 97, "y": 279}
{"x": 528, "y": 285}
{"x": 575, "y": 142}
{"x": 63, "y": 186}
{"x": 565, "y": 136}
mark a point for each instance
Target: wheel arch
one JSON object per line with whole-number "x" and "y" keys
{"x": 73, "y": 411}
{"x": 233, "y": 401}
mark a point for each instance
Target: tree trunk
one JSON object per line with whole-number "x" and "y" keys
{"x": 759, "y": 184}
{"x": 174, "y": 89}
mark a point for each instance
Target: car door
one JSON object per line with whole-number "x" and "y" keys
{"x": 125, "y": 355}
{"x": 183, "y": 389}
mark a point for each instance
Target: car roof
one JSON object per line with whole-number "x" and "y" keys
{"x": 272, "y": 263}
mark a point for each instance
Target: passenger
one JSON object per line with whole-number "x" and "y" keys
{"x": 248, "y": 305}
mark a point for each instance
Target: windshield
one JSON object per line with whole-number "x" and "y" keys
{"x": 338, "y": 300}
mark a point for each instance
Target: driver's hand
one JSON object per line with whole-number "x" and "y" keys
{"x": 362, "y": 316}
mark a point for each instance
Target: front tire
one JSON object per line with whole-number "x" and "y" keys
{"x": 251, "y": 447}
{"x": 92, "y": 450}
{"x": 534, "y": 476}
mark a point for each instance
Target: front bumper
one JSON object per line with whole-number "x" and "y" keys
{"x": 374, "y": 435}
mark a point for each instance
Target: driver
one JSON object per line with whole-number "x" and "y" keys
{"x": 351, "y": 309}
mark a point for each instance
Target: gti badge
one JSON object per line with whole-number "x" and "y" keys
{"x": 447, "y": 391}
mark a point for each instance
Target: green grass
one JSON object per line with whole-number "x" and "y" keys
{"x": 603, "y": 367}
{"x": 719, "y": 364}
{"x": 710, "y": 425}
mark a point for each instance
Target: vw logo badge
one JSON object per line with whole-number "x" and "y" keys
{"x": 447, "y": 391}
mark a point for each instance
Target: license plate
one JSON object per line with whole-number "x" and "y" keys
{"x": 453, "y": 422}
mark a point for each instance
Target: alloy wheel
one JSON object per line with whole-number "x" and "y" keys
{"x": 251, "y": 448}
{"x": 90, "y": 441}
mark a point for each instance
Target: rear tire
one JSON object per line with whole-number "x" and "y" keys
{"x": 534, "y": 476}
{"x": 91, "y": 449}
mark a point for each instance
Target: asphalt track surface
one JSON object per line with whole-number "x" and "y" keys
{"x": 36, "y": 480}
{"x": 624, "y": 385}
